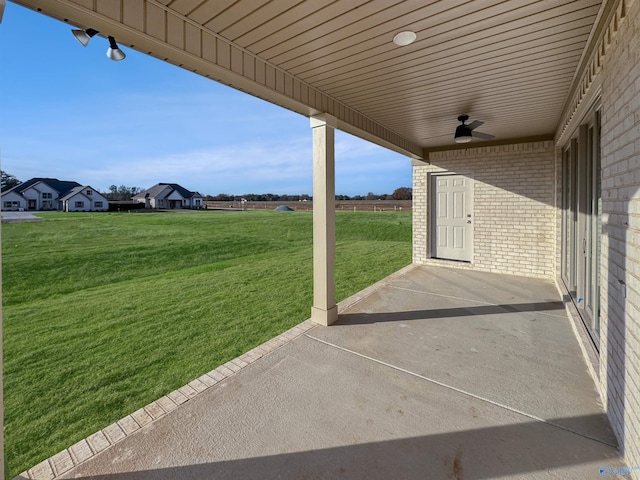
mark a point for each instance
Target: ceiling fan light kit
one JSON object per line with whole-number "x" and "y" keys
{"x": 464, "y": 133}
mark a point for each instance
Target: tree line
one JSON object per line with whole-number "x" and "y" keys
{"x": 121, "y": 193}
{"x": 402, "y": 193}
{"x": 124, "y": 193}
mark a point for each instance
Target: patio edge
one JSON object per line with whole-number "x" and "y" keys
{"x": 107, "y": 437}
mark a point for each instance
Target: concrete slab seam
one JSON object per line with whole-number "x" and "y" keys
{"x": 385, "y": 282}
{"x": 69, "y": 458}
{"x": 458, "y": 390}
{"x": 421, "y": 292}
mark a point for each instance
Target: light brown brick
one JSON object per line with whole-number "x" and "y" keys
{"x": 128, "y": 425}
{"x": 42, "y": 471}
{"x": 98, "y": 442}
{"x": 155, "y": 410}
{"x": 114, "y": 433}
{"x": 62, "y": 462}
{"x": 81, "y": 451}
{"x": 142, "y": 417}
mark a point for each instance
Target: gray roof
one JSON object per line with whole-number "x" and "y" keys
{"x": 72, "y": 192}
{"x": 79, "y": 189}
{"x": 60, "y": 186}
{"x": 157, "y": 189}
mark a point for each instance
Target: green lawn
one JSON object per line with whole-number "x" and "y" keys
{"x": 104, "y": 313}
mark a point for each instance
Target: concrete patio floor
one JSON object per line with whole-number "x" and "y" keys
{"x": 434, "y": 373}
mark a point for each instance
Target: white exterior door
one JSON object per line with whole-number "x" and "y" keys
{"x": 452, "y": 213}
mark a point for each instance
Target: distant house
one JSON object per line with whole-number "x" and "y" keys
{"x": 170, "y": 196}
{"x": 13, "y": 201}
{"x": 42, "y": 194}
{"x": 83, "y": 199}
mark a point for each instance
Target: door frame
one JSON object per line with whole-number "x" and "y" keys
{"x": 432, "y": 214}
{"x": 581, "y": 233}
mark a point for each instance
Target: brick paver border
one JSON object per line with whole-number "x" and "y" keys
{"x": 82, "y": 451}
{"x": 89, "y": 447}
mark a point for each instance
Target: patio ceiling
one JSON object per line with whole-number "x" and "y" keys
{"x": 510, "y": 63}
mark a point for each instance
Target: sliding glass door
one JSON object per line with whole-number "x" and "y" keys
{"x": 581, "y": 222}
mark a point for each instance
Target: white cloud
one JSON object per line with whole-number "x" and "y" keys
{"x": 238, "y": 168}
{"x": 282, "y": 164}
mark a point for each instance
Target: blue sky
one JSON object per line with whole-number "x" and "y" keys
{"x": 71, "y": 113}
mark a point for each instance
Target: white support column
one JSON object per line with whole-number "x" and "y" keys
{"x": 324, "y": 310}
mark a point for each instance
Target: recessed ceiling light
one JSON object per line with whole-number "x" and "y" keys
{"x": 404, "y": 38}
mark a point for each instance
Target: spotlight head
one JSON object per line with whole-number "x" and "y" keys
{"x": 83, "y": 36}
{"x": 114, "y": 52}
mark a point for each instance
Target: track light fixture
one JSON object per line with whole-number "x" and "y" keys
{"x": 83, "y": 36}
{"x": 114, "y": 52}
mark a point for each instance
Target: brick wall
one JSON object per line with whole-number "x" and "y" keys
{"x": 620, "y": 314}
{"x": 514, "y": 206}
{"x": 420, "y": 221}
{"x": 517, "y": 228}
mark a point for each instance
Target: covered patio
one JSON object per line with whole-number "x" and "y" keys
{"x": 440, "y": 370}
{"x": 433, "y": 372}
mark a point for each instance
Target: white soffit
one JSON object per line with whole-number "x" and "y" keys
{"x": 509, "y": 64}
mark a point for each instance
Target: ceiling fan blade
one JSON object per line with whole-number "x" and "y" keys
{"x": 435, "y": 136}
{"x": 475, "y": 124}
{"x": 483, "y": 136}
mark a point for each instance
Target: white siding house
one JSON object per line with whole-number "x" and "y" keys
{"x": 13, "y": 201}
{"x": 42, "y": 194}
{"x": 37, "y": 194}
{"x": 170, "y": 196}
{"x": 84, "y": 199}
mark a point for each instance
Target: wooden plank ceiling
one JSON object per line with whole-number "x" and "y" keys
{"x": 508, "y": 63}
